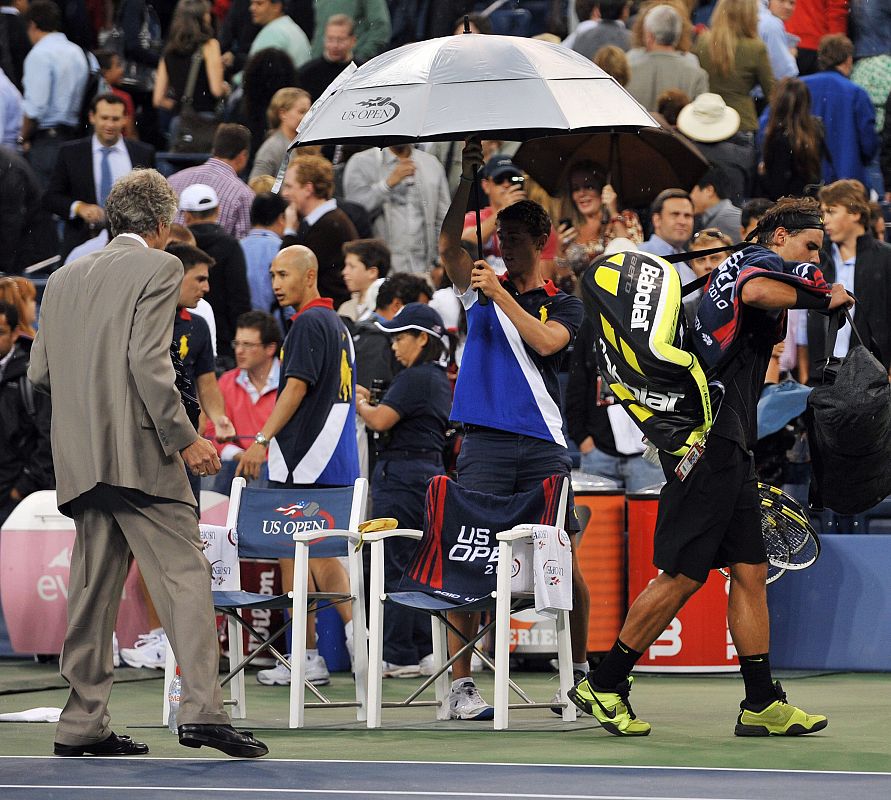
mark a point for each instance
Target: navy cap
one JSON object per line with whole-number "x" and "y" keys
{"x": 501, "y": 165}
{"x": 416, "y": 317}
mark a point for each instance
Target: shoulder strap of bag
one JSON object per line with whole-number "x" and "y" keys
{"x": 835, "y": 320}
{"x": 192, "y": 79}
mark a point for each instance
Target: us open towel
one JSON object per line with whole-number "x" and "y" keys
{"x": 551, "y": 570}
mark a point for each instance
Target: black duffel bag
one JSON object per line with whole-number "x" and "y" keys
{"x": 849, "y": 429}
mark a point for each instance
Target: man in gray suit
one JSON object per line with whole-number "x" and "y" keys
{"x": 120, "y": 437}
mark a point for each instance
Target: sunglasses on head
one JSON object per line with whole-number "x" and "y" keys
{"x": 712, "y": 233}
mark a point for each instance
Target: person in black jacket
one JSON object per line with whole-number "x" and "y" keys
{"x": 14, "y": 42}
{"x": 229, "y": 294}
{"x": 26, "y": 460}
{"x": 861, "y": 263}
{"x": 588, "y": 420}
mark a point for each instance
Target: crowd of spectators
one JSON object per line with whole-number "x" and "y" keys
{"x": 780, "y": 97}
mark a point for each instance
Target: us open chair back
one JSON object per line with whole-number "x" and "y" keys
{"x": 233, "y": 602}
{"x": 503, "y": 602}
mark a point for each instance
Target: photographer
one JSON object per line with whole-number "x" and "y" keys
{"x": 415, "y": 411}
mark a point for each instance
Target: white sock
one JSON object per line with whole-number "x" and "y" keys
{"x": 311, "y": 653}
{"x": 581, "y": 666}
{"x": 459, "y": 681}
{"x": 348, "y": 630}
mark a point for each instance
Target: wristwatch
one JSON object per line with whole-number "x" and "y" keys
{"x": 261, "y": 439}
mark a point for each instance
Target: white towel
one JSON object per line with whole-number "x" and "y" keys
{"x": 552, "y": 570}
{"x": 42, "y": 714}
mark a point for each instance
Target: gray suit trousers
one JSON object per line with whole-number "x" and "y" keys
{"x": 163, "y": 536}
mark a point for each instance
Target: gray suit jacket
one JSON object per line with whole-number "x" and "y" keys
{"x": 103, "y": 351}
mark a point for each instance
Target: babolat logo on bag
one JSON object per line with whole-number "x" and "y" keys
{"x": 633, "y": 301}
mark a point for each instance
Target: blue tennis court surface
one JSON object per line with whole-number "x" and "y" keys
{"x": 100, "y": 778}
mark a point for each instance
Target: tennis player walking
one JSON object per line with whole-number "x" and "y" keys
{"x": 711, "y": 518}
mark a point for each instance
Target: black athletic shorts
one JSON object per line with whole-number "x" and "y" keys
{"x": 713, "y": 518}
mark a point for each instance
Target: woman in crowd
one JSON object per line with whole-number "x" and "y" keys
{"x": 415, "y": 411}
{"x": 613, "y": 61}
{"x": 190, "y": 32}
{"x": 736, "y": 59}
{"x": 21, "y": 293}
{"x": 266, "y": 71}
{"x": 285, "y": 112}
{"x": 793, "y": 142}
{"x": 594, "y": 219}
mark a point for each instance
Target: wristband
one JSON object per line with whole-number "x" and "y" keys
{"x": 808, "y": 300}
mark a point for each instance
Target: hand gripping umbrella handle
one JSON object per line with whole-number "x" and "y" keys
{"x": 480, "y": 295}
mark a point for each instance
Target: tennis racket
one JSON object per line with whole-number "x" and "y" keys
{"x": 790, "y": 540}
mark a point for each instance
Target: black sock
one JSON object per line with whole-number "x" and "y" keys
{"x": 615, "y": 667}
{"x": 760, "y": 691}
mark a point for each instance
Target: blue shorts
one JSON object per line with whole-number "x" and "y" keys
{"x": 500, "y": 462}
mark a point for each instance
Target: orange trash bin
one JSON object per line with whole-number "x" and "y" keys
{"x": 698, "y": 639}
{"x": 601, "y": 558}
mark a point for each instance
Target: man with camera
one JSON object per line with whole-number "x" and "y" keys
{"x": 504, "y": 184}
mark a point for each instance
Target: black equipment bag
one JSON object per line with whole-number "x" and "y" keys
{"x": 849, "y": 429}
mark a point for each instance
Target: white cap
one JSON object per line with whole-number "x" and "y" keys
{"x": 198, "y": 197}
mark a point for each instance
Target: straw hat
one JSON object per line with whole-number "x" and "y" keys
{"x": 708, "y": 119}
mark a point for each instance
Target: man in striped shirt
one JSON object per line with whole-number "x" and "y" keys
{"x": 229, "y": 157}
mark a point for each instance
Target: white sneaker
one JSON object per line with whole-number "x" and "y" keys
{"x": 280, "y": 675}
{"x": 427, "y": 665}
{"x": 149, "y": 651}
{"x": 115, "y": 651}
{"x": 400, "y": 670}
{"x": 465, "y": 701}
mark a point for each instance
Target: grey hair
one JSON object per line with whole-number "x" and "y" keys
{"x": 139, "y": 202}
{"x": 664, "y": 23}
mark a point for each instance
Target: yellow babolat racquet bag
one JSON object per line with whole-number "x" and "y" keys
{"x": 633, "y": 300}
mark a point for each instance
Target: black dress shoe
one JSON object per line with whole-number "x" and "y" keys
{"x": 240, "y": 744}
{"x": 114, "y": 745}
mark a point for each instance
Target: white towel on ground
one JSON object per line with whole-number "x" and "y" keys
{"x": 552, "y": 570}
{"x": 43, "y": 714}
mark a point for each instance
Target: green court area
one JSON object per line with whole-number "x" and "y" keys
{"x": 692, "y": 720}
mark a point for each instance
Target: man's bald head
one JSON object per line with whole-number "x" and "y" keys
{"x": 294, "y": 272}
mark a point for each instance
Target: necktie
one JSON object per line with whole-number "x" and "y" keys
{"x": 104, "y": 176}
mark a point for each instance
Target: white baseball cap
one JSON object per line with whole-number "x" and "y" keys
{"x": 198, "y": 197}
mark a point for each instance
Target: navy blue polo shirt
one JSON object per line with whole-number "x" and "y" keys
{"x": 191, "y": 341}
{"x": 422, "y": 397}
{"x": 503, "y": 383}
{"x": 318, "y": 444}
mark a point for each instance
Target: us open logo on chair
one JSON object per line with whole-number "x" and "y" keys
{"x": 302, "y": 516}
{"x": 372, "y": 112}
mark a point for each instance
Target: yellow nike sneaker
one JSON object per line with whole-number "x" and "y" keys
{"x": 778, "y": 719}
{"x": 611, "y": 709}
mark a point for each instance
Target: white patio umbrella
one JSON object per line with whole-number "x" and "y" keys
{"x": 450, "y": 88}
{"x": 500, "y": 87}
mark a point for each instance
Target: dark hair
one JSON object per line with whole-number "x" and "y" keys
{"x": 104, "y": 56}
{"x": 267, "y": 208}
{"x": 754, "y": 210}
{"x": 107, "y": 97}
{"x": 371, "y": 252}
{"x": 834, "y": 49}
{"x": 45, "y": 15}
{"x": 432, "y": 351}
{"x": 188, "y": 29}
{"x": 270, "y": 332}
{"x": 790, "y": 113}
{"x": 402, "y": 286}
{"x": 584, "y": 9}
{"x": 230, "y": 140}
{"x": 670, "y": 103}
{"x": 668, "y": 194}
{"x": 190, "y": 256}
{"x": 718, "y": 180}
{"x": 11, "y": 313}
{"x": 529, "y": 214}
{"x": 787, "y": 211}
{"x": 611, "y": 9}
{"x": 265, "y": 72}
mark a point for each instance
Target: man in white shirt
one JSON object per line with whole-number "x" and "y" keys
{"x": 86, "y": 169}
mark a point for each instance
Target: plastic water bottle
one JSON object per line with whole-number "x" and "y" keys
{"x": 174, "y": 694}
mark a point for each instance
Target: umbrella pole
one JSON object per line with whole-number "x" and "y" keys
{"x": 480, "y": 296}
